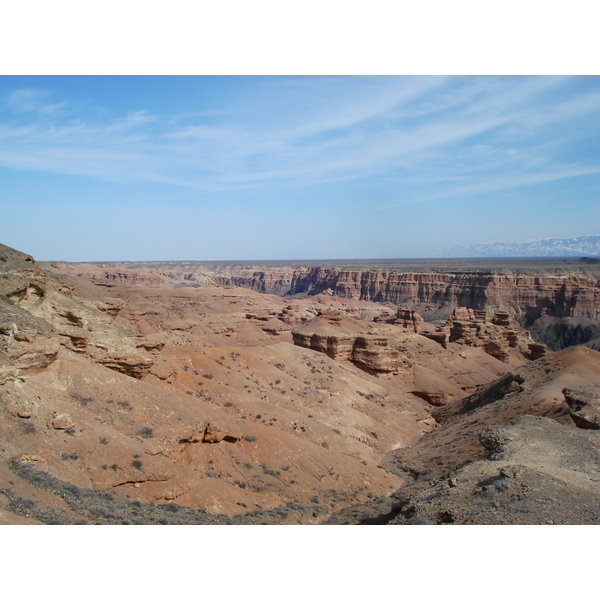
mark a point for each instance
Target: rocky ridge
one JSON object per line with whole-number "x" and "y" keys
{"x": 560, "y": 305}
{"x": 514, "y": 452}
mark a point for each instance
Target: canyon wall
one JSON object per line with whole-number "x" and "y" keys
{"x": 526, "y": 297}
{"x": 557, "y": 308}
{"x": 559, "y": 303}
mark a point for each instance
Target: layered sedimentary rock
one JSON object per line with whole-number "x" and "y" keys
{"x": 563, "y": 295}
{"x": 472, "y": 328}
{"x": 409, "y": 319}
{"x": 524, "y": 297}
{"x": 269, "y": 281}
{"x": 344, "y": 339}
{"x": 560, "y": 309}
{"x": 536, "y": 350}
{"x": 37, "y": 305}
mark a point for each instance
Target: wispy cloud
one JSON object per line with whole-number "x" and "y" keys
{"x": 33, "y": 101}
{"x": 468, "y": 135}
{"x": 500, "y": 183}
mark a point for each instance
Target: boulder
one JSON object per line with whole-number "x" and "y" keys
{"x": 63, "y": 421}
{"x": 584, "y": 407}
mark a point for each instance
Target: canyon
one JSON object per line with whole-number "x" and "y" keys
{"x": 558, "y": 300}
{"x": 197, "y": 393}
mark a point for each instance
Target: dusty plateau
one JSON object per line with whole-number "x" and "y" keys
{"x": 183, "y": 393}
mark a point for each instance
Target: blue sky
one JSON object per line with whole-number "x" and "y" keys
{"x": 226, "y": 168}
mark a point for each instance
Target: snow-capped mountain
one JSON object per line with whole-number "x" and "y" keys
{"x": 581, "y": 246}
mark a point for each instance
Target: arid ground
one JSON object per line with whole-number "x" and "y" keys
{"x": 396, "y": 392}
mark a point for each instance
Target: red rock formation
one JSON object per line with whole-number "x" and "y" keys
{"x": 292, "y": 315}
{"x": 440, "y": 336}
{"x": 474, "y": 330}
{"x": 345, "y": 339}
{"x": 409, "y": 319}
{"x": 525, "y": 297}
{"x": 537, "y": 350}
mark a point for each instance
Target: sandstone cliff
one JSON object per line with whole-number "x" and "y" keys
{"x": 344, "y": 339}
{"x": 526, "y": 297}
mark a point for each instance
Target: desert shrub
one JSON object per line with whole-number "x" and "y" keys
{"x": 146, "y": 432}
{"x": 137, "y": 464}
{"x": 83, "y": 400}
{"x": 207, "y": 376}
{"x": 103, "y": 441}
{"x": 67, "y": 456}
{"x": 268, "y": 471}
{"x": 27, "y": 427}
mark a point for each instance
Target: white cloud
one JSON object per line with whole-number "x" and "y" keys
{"x": 316, "y": 130}
{"x": 32, "y": 100}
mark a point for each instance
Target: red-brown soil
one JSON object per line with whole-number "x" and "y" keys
{"x": 134, "y": 398}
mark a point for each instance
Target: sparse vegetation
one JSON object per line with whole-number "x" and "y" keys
{"x": 268, "y": 471}
{"x": 146, "y": 432}
{"x": 86, "y": 506}
{"x": 83, "y": 400}
{"x": 67, "y": 456}
{"x": 27, "y": 427}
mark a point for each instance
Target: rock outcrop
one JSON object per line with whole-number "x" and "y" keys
{"x": 584, "y": 407}
{"x": 508, "y": 454}
{"x": 409, "y": 319}
{"x": 560, "y": 306}
{"x": 38, "y": 305}
{"x": 537, "y": 350}
{"x": 472, "y": 328}
{"x": 345, "y": 339}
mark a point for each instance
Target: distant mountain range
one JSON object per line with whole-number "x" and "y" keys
{"x": 581, "y": 246}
